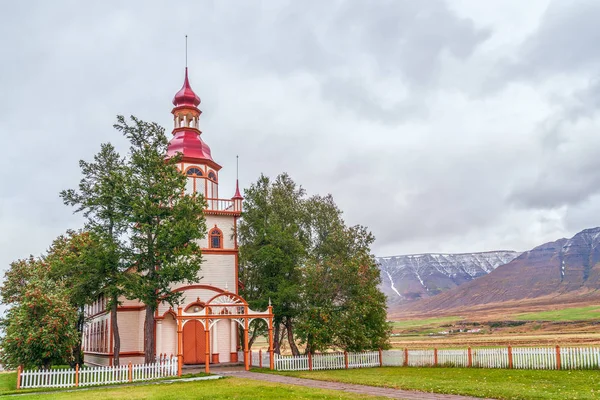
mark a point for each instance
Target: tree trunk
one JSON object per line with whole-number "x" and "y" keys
{"x": 77, "y": 354}
{"x": 115, "y": 330}
{"x": 149, "y": 335}
{"x": 254, "y": 334}
{"x": 276, "y": 341}
{"x": 290, "y": 337}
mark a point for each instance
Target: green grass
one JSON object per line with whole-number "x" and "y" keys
{"x": 228, "y": 388}
{"x": 423, "y": 323}
{"x": 491, "y": 383}
{"x": 8, "y": 382}
{"x": 565, "y": 314}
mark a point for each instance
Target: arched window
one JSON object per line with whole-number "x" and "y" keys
{"x": 194, "y": 171}
{"x": 216, "y": 238}
{"x": 212, "y": 176}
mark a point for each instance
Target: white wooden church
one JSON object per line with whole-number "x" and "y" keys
{"x": 204, "y": 329}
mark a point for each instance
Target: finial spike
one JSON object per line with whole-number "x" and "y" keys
{"x": 237, "y": 167}
{"x": 269, "y": 302}
{"x": 186, "y": 51}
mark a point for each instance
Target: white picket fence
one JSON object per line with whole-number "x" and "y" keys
{"x": 506, "y": 357}
{"x": 322, "y": 361}
{"x": 88, "y": 376}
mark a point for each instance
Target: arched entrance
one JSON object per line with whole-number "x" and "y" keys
{"x": 194, "y": 343}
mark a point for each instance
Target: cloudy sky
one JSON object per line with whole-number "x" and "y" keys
{"x": 444, "y": 126}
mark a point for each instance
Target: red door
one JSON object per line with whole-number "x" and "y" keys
{"x": 194, "y": 345}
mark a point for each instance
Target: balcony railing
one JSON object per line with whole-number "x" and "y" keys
{"x": 223, "y": 205}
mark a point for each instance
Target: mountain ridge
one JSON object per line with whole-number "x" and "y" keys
{"x": 565, "y": 268}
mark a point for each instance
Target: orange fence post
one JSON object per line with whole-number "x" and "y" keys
{"x": 260, "y": 358}
{"x": 380, "y": 357}
{"x": 405, "y": 357}
{"x": 76, "y": 375}
{"x": 346, "y": 358}
{"x": 130, "y": 372}
{"x": 309, "y": 361}
{"x": 558, "y": 357}
{"x": 469, "y": 357}
{"x": 435, "y": 357}
{"x": 510, "y": 357}
{"x": 19, "y": 370}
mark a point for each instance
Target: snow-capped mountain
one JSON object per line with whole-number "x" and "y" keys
{"x": 555, "y": 272}
{"x": 415, "y": 276}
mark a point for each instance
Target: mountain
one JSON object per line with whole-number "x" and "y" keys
{"x": 411, "y": 277}
{"x": 559, "y": 271}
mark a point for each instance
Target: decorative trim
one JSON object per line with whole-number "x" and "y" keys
{"x": 212, "y": 234}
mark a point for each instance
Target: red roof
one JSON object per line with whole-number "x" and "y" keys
{"x": 237, "y": 194}
{"x": 186, "y": 96}
{"x": 188, "y": 142}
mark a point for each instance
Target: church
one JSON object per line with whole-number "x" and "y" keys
{"x": 206, "y": 326}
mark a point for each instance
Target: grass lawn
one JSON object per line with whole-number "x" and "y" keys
{"x": 424, "y": 323}
{"x": 492, "y": 383}
{"x": 227, "y": 388}
{"x": 565, "y": 314}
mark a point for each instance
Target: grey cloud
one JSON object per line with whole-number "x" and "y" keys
{"x": 350, "y": 97}
{"x": 565, "y": 43}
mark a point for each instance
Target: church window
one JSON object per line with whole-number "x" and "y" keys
{"x": 194, "y": 171}
{"x": 216, "y": 238}
{"x": 212, "y": 176}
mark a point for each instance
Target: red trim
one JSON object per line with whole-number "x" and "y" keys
{"x": 169, "y": 311}
{"x": 219, "y": 251}
{"x": 211, "y": 234}
{"x": 236, "y": 274}
{"x": 234, "y": 295}
{"x": 220, "y": 212}
{"x": 213, "y": 288}
{"x": 131, "y": 308}
{"x": 195, "y": 303}
{"x": 192, "y": 160}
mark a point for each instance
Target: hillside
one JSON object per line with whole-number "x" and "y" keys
{"x": 557, "y": 271}
{"x": 411, "y": 277}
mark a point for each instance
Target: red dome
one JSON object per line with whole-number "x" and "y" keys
{"x": 186, "y": 96}
{"x": 190, "y": 144}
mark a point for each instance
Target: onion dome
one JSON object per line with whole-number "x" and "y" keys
{"x": 186, "y": 96}
{"x": 189, "y": 143}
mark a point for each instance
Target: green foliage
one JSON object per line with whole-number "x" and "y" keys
{"x": 319, "y": 273}
{"x": 40, "y": 324}
{"x": 164, "y": 224}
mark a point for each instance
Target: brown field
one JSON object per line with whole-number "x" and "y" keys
{"x": 539, "y": 322}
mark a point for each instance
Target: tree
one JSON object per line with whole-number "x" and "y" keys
{"x": 74, "y": 262}
{"x": 164, "y": 224}
{"x": 272, "y": 248}
{"x": 39, "y": 326}
{"x": 101, "y": 198}
{"x": 319, "y": 272}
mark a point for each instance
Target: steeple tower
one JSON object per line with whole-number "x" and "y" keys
{"x": 186, "y": 133}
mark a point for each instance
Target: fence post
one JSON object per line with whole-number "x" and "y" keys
{"x": 76, "y": 375}
{"x": 558, "y": 357}
{"x": 260, "y": 358}
{"x": 435, "y": 357}
{"x": 510, "y": 357}
{"x": 309, "y": 361}
{"x": 130, "y": 372}
{"x": 380, "y": 357}
{"x": 346, "y": 358}
{"x": 250, "y": 360}
{"x": 469, "y": 357}
{"x": 19, "y": 371}
{"x": 406, "y": 357}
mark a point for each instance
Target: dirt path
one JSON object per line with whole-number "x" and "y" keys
{"x": 346, "y": 387}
